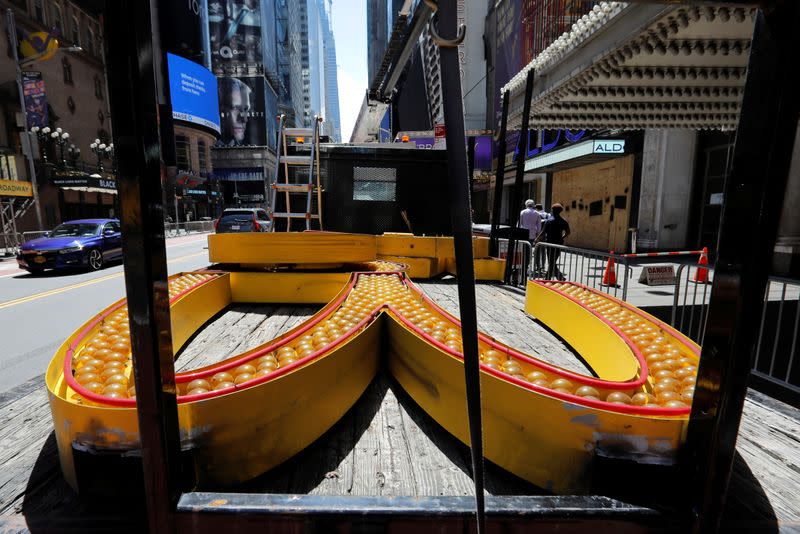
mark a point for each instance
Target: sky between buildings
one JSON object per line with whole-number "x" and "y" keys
{"x": 350, "y": 32}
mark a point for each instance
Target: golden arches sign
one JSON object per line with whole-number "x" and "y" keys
{"x": 247, "y": 414}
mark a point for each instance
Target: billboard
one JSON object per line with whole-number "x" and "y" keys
{"x": 193, "y": 91}
{"x": 234, "y": 28}
{"x": 35, "y": 99}
{"x": 242, "y": 111}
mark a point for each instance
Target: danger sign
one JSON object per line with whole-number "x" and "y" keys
{"x": 658, "y": 275}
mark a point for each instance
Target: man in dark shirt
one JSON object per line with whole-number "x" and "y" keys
{"x": 555, "y": 229}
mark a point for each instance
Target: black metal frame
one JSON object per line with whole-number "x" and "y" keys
{"x": 142, "y": 139}
{"x": 761, "y": 158}
{"x": 516, "y": 197}
{"x": 500, "y": 173}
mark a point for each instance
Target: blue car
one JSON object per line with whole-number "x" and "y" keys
{"x": 85, "y": 243}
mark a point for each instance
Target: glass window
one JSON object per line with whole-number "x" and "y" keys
{"x": 202, "y": 154}
{"x": 182, "y": 153}
{"x": 98, "y": 86}
{"x": 377, "y": 184}
{"x": 90, "y": 42}
{"x": 76, "y": 31}
{"x": 38, "y": 11}
{"x": 66, "y": 67}
{"x": 58, "y": 19}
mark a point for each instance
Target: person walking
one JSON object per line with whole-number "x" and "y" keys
{"x": 531, "y": 220}
{"x": 554, "y": 231}
{"x": 539, "y": 259}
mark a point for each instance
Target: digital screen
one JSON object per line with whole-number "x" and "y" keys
{"x": 193, "y": 90}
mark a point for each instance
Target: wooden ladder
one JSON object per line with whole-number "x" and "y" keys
{"x": 289, "y": 164}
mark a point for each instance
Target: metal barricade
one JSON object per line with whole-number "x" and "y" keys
{"x": 583, "y": 266}
{"x": 521, "y": 268}
{"x": 775, "y": 365}
{"x": 185, "y": 228}
{"x": 690, "y": 301}
{"x": 9, "y": 243}
{"x": 27, "y": 236}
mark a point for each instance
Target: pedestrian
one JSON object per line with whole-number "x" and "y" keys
{"x": 554, "y": 231}
{"x": 531, "y": 220}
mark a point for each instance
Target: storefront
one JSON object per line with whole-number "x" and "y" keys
{"x": 79, "y": 196}
{"x": 596, "y": 180}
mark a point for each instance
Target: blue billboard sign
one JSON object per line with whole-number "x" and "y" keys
{"x": 193, "y": 90}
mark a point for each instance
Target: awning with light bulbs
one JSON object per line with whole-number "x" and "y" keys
{"x": 635, "y": 66}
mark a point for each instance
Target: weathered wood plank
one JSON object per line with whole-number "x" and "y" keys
{"x": 385, "y": 445}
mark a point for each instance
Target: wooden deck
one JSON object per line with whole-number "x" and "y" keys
{"x": 385, "y": 445}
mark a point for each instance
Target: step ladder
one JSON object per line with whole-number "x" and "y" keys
{"x": 297, "y": 173}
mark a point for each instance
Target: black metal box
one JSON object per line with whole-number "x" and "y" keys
{"x": 369, "y": 187}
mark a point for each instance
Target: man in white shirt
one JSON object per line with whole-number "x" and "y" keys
{"x": 531, "y": 220}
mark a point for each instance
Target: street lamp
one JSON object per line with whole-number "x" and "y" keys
{"x": 102, "y": 151}
{"x": 43, "y": 135}
{"x": 60, "y": 137}
{"x": 74, "y": 154}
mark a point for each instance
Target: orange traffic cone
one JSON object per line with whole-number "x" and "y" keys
{"x": 701, "y": 275}
{"x": 610, "y": 274}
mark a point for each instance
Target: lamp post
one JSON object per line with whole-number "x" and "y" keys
{"x": 43, "y": 135}
{"x": 60, "y": 137}
{"x": 11, "y": 31}
{"x": 74, "y": 154}
{"x": 102, "y": 151}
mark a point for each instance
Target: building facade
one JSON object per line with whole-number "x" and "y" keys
{"x": 70, "y": 95}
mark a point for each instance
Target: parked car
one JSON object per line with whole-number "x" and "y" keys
{"x": 243, "y": 220}
{"x": 87, "y": 243}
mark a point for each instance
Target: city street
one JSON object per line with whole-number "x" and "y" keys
{"x": 38, "y": 313}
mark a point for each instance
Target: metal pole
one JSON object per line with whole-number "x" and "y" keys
{"x": 471, "y": 164}
{"x": 139, "y": 103}
{"x": 458, "y": 184}
{"x": 498, "y": 178}
{"x": 756, "y": 185}
{"x": 11, "y": 29}
{"x": 516, "y": 198}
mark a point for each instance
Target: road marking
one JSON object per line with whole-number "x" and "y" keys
{"x": 56, "y": 291}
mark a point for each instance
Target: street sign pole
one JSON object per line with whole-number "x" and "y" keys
{"x": 11, "y": 30}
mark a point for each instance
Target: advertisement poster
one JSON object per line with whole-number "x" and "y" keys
{"x": 242, "y": 112}
{"x": 193, "y": 91}
{"x": 235, "y": 33}
{"x": 35, "y": 99}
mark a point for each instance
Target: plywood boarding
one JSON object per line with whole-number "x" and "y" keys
{"x": 593, "y": 197}
{"x": 385, "y": 445}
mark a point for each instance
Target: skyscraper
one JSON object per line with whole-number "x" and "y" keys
{"x": 331, "y": 80}
{"x": 314, "y": 82}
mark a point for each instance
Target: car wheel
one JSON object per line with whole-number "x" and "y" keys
{"x": 95, "y": 259}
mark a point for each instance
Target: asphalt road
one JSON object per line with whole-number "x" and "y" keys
{"x": 38, "y": 312}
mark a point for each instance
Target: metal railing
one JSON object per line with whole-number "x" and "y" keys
{"x": 185, "y": 228}
{"x": 27, "y": 236}
{"x": 521, "y": 267}
{"x": 689, "y": 314}
{"x": 9, "y": 243}
{"x": 776, "y": 360}
{"x": 579, "y": 265}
